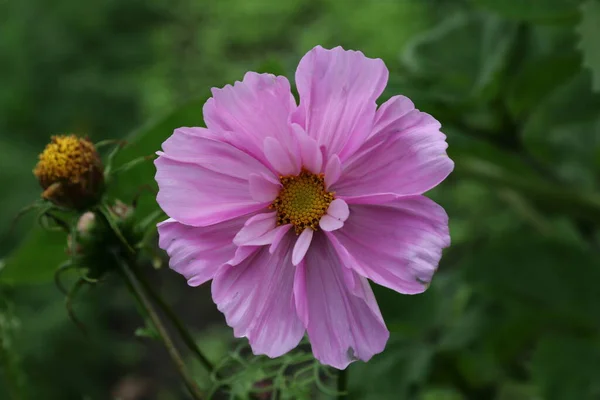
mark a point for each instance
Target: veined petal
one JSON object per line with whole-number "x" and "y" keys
{"x": 333, "y": 170}
{"x": 338, "y": 209}
{"x": 278, "y": 236}
{"x": 241, "y": 253}
{"x": 183, "y": 143}
{"x": 257, "y": 299}
{"x": 207, "y": 185}
{"x": 280, "y": 158}
{"x": 197, "y": 252}
{"x": 329, "y": 223}
{"x": 263, "y": 188}
{"x": 397, "y": 244}
{"x": 337, "y": 213}
{"x": 343, "y": 324}
{"x": 311, "y": 156}
{"x": 255, "y": 227}
{"x": 302, "y": 245}
{"x": 406, "y": 155}
{"x": 258, "y": 107}
{"x": 338, "y": 89}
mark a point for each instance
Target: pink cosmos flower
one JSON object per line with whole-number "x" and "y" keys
{"x": 289, "y": 208}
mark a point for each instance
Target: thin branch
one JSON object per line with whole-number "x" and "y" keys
{"x": 177, "y": 323}
{"x": 342, "y": 384}
{"x": 138, "y": 292}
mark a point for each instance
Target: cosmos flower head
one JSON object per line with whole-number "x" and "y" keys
{"x": 71, "y": 172}
{"x": 290, "y": 209}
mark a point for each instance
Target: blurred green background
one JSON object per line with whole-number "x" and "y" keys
{"x": 514, "y": 311}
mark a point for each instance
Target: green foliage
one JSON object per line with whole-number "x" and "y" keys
{"x": 11, "y": 369}
{"x": 548, "y": 11}
{"x": 554, "y": 360}
{"x": 589, "y": 31}
{"x": 537, "y": 79}
{"x": 563, "y": 130}
{"x": 38, "y": 257}
{"x": 296, "y": 375}
{"x": 522, "y": 274}
{"x": 469, "y": 69}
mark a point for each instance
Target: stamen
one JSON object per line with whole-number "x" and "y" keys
{"x": 302, "y": 201}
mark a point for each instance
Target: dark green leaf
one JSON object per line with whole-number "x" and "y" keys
{"x": 498, "y": 168}
{"x": 564, "y": 131}
{"x": 407, "y": 362}
{"x": 555, "y": 277}
{"x": 567, "y": 368}
{"x": 537, "y": 79}
{"x": 36, "y": 258}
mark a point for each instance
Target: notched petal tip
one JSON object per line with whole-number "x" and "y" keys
{"x": 338, "y": 209}
{"x": 337, "y": 213}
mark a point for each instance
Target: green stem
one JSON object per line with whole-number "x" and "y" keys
{"x": 104, "y": 210}
{"x": 177, "y": 323}
{"x": 138, "y": 292}
{"x": 342, "y": 384}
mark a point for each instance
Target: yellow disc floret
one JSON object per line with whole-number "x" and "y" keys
{"x": 302, "y": 200}
{"x": 70, "y": 171}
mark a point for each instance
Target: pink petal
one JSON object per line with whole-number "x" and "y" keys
{"x": 208, "y": 184}
{"x": 258, "y": 107}
{"x": 197, "y": 252}
{"x": 280, "y": 232}
{"x": 263, "y": 188}
{"x": 405, "y": 156}
{"x": 278, "y": 156}
{"x": 344, "y": 324}
{"x": 255, "y": 227}
{"x": 329, "y": 223}
{"x": 302, "y": 245}
{"x": 333, "y": 170}
{"x": 338, "y": 89}
{"x": 300, "y": 293}
{"x": 338, "y": 209}
{"x": 397, "y": 245}
{"x": 311, "y": 156}
{"x": 182, "y": 143}
{"x": 241, "y": 253}
{"x": 257, "y": 299}
{"x": 389, "y": 113}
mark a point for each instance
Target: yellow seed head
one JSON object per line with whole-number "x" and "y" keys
{"x": 70, "y": 171}
{"x": 302, "y": 201}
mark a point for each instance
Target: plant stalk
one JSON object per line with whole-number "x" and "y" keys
{"x": 139, "y": 293}
{"x": 177, "y": 323}
{"x": 342, "y": 384}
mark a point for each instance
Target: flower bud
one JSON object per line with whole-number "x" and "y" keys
{"x": 71, "y": 172}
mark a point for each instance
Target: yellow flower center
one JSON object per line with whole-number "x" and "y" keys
{"x": 302, "y": 201}
{"x": 66, "y": 159}
{"x": 70, "y": 171}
